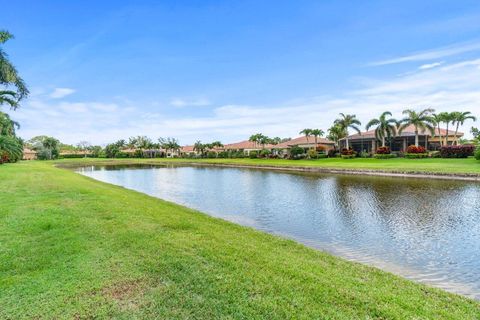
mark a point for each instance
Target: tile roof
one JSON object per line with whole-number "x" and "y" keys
{"x": 246, "y": 145}
{"x": 302, "y": 140}
{"x": 408, "y": 131}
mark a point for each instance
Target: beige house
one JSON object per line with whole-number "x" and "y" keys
{"x": 29, "y": 154}
{"x": 306, "y": 143}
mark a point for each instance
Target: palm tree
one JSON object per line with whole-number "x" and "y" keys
{"x": 11, "y": 148}
{"x": 420, "y": 120}
{"x": 317, "y": 133}
{"x": 448, "y": 117}
{"x": 8, "y": 72}
{"x": 255, "y": 138}
{"x": 459, "y": 118}
{"x": 385, "y": 127}
{"x": 438, "y": 119}
{"x": 50, "y": 144}
{"x": 306, "y": 133}
{"x": 199, "y": 147}
{"x": 9, "y": 97}
{"x": 336, "y": 133}
{"x": 346, "y": 122}
{"x": 7, "y": 125}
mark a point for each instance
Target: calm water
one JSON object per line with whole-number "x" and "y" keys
{"x": 426, "y": 230}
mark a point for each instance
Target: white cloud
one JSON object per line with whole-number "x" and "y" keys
{"x": 432, "y": 54}
{"x": 61, "y": 92}
{"x": 430, "y": 65}
{"x": 447, "y": 87}
{"x": 178, "y": 102}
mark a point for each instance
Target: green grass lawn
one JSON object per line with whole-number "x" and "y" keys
{"x": 468, "y": 166}
{"x": 72, "y": 247}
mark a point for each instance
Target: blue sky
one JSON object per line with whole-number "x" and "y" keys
{"x": 222, "y": 70}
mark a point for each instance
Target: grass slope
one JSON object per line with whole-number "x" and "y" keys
{"x": 468, "y": 166}
{"x": 72, "y": 247}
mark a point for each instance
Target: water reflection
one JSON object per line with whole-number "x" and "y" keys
{"x": 427, "y": 230}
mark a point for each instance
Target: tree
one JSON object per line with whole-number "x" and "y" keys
{"x": 346, "y": 122}
{"x": 7, "y": 125}
{"x": 199, "y": 147}
{"x": 255, "y": 138}
{"x": 306, "y": 132}
{"x": 459, "y": 118}
{"x": 317, "y": 133}
{"x": 169, "y": 144}
{"x": 84, "y": 146}
{"x": 51, "y": 145}
{"x": 336, "y": 133}
{"x": 420, "y": 120}
{"x": 11, "y": 149}
{"x": 385, "y": 128}
{"x": 437, "y": 120}
{"x": 9, "y": 75}
{"x": 9, "y": 97}
{"x": 112, "y": 150}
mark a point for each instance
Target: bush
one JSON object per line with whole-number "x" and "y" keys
{"x": 265, "y": 153}
{"x": 211, "y": 154}
{"x": 332, "y": 153}
{"x": 348, "y": 156}
{"x": 322, "y": 156}
{"x": 298, "y": 156}
{"x": 416, "y": 155}
{"x": 415, "y": 149}
{"x": 312, "y": 154}
{"x": 462, "y": 151}
{"x": 364, "y": 154}
{"x": 383, "y": 150}
{"x": 347, "y": 152}
{"x": 253, "y": 155}
{"x": 477, "y": 153}
{"x": 223, "y": 154}
{"x": 295, "y": 151}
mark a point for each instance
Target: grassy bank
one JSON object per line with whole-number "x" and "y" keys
{"x": 72, "y": 247}
{"x": 468, "y": 166}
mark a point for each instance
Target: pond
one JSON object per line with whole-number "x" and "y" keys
{"x": 425, "y": 230}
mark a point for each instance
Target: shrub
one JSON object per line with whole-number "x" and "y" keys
{"x": 211, "y": 154}
{"x": 312, "y": 154}
{"x": 477, "y": 153}
{"x": 253, "y": 155}
{"x": 322, "y": 156}
{"x": 384, "y": 155}
{"x": 265, "y": 153}
{"x": 364, "y": 154}
{"x": 298, "y": 156}
{"x": 295, "y": 151}
{"x": 383, "y": 150}
{"x": 415, "y": 149}
{"x": 462, "y": 151}
{"x": 320, "y": 148}
{"x": 348, "y": 156}
{"x": 332, "y": 153}
{"x": 223, "y": 154}
{"x": 347, "y": 152}
{"x": 416, "y": 155}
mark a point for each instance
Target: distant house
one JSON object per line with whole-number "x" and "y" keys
{"x": 29, "y": 154}
{"x": 367, "y": 142}
{"x": 246, "y": 147}
{"x": 188, "y": 150}
{"x": 305, "y": 143}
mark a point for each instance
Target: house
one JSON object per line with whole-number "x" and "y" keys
{"x": 246, "y": 147}
{"x": 29, "y": 154}
{"x": 188, "y": 151}
{"x": 306, "y": 143}
{"x": 366, "y": 141}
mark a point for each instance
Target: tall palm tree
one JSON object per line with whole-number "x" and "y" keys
{"x": 199, "y": 147}
{"x": 420, "y": 120}
{"x": 8, "y": 72}
{"x": 255, "y": 138}
{"x": 50, "y": 144}
{"x": 459, "y": 118}
{"x": 348, "y": 121}
{"x": 306, "y": 132}
{"x": 317, "y": 133}
{"x": 9, "y": 97}
{"x": 7, "y": 125}
{"x": 336, "y": 133}
{"x": 438, "y": 118}
{"x": 448, "y": 117}
{"x": 386, "y": 128}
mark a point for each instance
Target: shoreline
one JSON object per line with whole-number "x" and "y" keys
{"x": 472, "y": 177}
